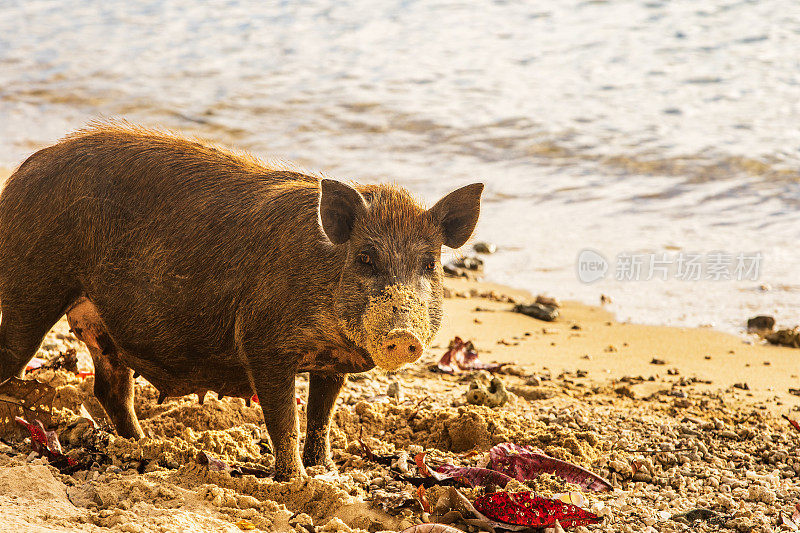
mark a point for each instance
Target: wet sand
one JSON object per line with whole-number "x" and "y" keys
{"x": 608, "y": 350}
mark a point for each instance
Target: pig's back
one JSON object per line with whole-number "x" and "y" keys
{"x": 111, "y": 186}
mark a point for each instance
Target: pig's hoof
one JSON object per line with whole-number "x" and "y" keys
{"x": 287, "y": 474}
{"x": 324, "y": 460}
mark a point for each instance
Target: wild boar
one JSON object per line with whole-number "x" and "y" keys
{"x": 204, "y": 269}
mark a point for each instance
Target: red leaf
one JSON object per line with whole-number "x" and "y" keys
{"x": 423, "y": 501}
{"x": 423, "y": 468}
{"x": 462, "y": 355}
{"x": 45, "y": 442}
{"x": 523, "y": 463}
{"x": 528, "y": 509}
{"x": 795, "y": 424}
{"x": 297, "y": 400}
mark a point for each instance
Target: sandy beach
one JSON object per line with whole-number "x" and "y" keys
{"x": 671, "y": 438}
{"x": 638, "y": 170}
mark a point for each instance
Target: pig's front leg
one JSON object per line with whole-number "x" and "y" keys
{"x": 322, "y": 393}
{"x": 274, "y": 384}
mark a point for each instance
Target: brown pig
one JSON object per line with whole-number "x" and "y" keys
{"x": 202, "y": 269}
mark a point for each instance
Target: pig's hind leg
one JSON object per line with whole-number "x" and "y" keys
{"x": 113, "y": 381}
{"x": 30, "y": 307}
{"x": 322, "y": 393}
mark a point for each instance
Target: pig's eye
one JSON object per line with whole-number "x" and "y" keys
{"x": 430, "y": 266}
{"x": 364, "y": 258}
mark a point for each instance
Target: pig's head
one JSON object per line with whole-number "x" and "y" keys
{"x": 389, "y": 297}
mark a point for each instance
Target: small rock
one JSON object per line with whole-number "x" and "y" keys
{"x": 494, "y": 395}
{"x": 760, "y": 323}
{"x": 484, "y": 247}
{"x": 785, "y": 337}
{"x": 548, "y": 301}
{"x": 534, "y": 393}
{"x": 657, "y": 361}
{"x": 538, "y": 311}
{"x": 625, "y": 391}
{"x": 394, "y": 390}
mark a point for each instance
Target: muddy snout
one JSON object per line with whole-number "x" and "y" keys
{"x": 402, "y": 345}
{"x": 398, "y": 327}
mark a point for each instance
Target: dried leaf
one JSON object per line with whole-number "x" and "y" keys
{"x": 27, "y": 398}
{"x": 214, "y": 464}
{"x": 462, "y": 355}
{"x": 529, "y": 510}
{"x": 523, "y": 463}
{"x": 431, "y": 528}
{"x": 447, "y": 474}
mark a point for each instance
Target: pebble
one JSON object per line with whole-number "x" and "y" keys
{"x": 395, "y": 390}
{"x": 482, "y": 247}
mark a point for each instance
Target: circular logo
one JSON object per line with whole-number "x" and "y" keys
{"x": 591, "y": 266}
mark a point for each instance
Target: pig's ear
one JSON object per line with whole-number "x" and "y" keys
{"x": 457, "y": 213}
{"x": 339, "y": 206}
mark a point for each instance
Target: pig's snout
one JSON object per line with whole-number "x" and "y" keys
{"x": 397, "y": 327}
{"x": 401, "y": 346}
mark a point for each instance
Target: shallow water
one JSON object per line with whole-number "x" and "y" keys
{"x": 622, "y": 126}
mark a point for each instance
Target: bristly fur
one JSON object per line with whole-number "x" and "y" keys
{"x": 203, "y": 268}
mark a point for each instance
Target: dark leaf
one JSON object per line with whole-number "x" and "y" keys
{"x": 448, "y": 474}
{"x": 218, "y": 465}
{"x": 523, "y": 463}
{"x": 368, "y": 454}
{"x": 530, "y": 510}
{"x": 474, "y": 476}
{"x": 27, "y": 398}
